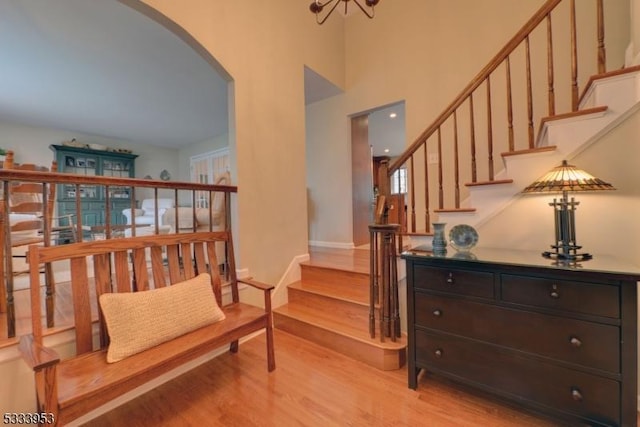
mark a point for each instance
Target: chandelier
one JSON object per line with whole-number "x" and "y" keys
{"x": 317, "y": 7}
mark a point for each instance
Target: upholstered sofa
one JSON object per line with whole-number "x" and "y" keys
{"x": 202, "y": 217}
{"x": 146, "y": 214}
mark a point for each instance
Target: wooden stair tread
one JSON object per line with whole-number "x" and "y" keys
{"x": 354, "y": 294}
{"x": 324, "y": 320}
{"x": 605, "y": 75}
{"x": 452, "y": 210}
{"x": 529, "y": 151}
{"x": 352, "y": 260}
{"x": 571, "y": 114}
{"x": 495, "y": 181}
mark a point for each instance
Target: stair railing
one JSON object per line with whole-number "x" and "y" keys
{"x": 500, "y": 135}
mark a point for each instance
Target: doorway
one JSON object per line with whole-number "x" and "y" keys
{"x": 379, "y": 133}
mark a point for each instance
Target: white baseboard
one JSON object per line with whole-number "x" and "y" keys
{"x": 337, "y": 245}
{"x": 279, "y": 296}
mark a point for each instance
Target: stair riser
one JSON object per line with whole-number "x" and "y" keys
{"x": 342, "y": 310}
{"x": 382, "y": 359}
{"x": 319, "y": 275}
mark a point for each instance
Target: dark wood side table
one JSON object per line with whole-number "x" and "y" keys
{"x": 559, "y": 339}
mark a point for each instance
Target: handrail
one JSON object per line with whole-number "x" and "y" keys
{"x": 106, "y": 229}
{"x": 68, "y": 178}
{"x": 520, "y": 36}
{"x": 470, "y": 157}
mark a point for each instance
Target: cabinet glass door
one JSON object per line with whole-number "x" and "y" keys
{"x": 80, "y": 164}
{"x": 118, "y": 169}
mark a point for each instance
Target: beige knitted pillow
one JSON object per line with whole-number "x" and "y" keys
{"x": 137, "y": 321}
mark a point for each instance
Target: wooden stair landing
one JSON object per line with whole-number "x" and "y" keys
{"x": 330, "y": 306}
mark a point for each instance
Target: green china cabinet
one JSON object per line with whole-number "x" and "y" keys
{"x": 88, "y": 162}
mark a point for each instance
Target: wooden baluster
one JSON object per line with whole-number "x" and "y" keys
{"x": 440, "y": 189}
{"x": 489, "y": 129}
{"x": 427, "y": 217}
{"x": 393, "y": 287}
{"x": 474, "y": 171}
{"x": 78, "y": 206}
{"x": 551, "y": 89}
{"x": 413, "y": 196}
{"x": 133, "y": 209}
{"x": 49, "y": 281}
{"x": 8, "y": 266}
{"x": 529, "y": 95}
{"x": 509, "y": 105}
{"x": 456, "y": 162}
{"x": 373, "y": 280}
{"x": 3, "y": 220}
{"x": 107, "y": 212}
{"x": 384, "y": 284}
{"x": 574, "y": 58}
{"x": 602, "y": 54}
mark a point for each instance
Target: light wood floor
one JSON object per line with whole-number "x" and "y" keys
{"x": 311, "y": 386}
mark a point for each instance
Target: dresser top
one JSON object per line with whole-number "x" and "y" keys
{"x": 511, "y": 257}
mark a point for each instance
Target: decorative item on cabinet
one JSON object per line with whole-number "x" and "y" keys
{"x": 439, "y": 243}
{"x": 563, "y": 179}
{"x": 463, "y": 237}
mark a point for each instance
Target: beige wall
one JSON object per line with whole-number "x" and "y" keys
{"x": 31, "y": 145}
{"x": 263, "y": 46}
{"x": 329, "y": 173}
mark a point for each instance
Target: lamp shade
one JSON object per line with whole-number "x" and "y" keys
{"x": 567, "y": 177}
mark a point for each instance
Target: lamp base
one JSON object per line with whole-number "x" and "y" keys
{"x": 567, "y": 257}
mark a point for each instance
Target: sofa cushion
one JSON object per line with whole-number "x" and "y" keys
{"x": 137, "y": 321}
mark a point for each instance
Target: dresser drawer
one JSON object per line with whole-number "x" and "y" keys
{"x": 538, "y": 384}
{"x": 580, "y": 297}
{"x": 455, "y": 281}
{"x": 571, "y": 340}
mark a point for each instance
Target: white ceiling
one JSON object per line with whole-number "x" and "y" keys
{"x": 101, "y": 68}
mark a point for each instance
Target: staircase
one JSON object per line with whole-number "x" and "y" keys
{"x": 607, "y": 101}
{"x": 486, "y": 143}
{"x": 330, "y": 306}
{"x": 496, "y": 159}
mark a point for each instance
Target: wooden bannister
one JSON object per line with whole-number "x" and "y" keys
{"x": 502, "y": 131}
{"x": 49, "y": 179}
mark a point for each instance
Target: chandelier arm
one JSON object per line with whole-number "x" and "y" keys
{"x": 320, "y": 22}
{"x": 365, "y": 11}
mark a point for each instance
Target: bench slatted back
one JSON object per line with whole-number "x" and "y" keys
{"x": 126, "y": 265}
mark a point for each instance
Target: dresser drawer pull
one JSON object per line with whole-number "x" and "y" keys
{"x": 437, "y": 313}
{"x": 554, "y": 292}
{"x": 575, "y": 342}
{"x": 576, "y": 394}
{"x": 450, "y": 279}
{"x": 438, "y": 353}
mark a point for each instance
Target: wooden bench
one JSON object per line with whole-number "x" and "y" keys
{"x": 72, "y": 387}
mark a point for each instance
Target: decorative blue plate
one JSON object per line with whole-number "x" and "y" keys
{"x": 463, "y": 237}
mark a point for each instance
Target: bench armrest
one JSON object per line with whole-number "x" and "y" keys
{"x": 256, "y": 284}
{"x": 36, "y": 355}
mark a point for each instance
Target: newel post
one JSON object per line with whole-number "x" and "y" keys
{"x": 383, "y": 287}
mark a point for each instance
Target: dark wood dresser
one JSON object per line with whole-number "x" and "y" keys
{"x": 559, "y": 339}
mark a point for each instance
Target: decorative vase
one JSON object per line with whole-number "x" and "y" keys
{"x": 439, "y": 242}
